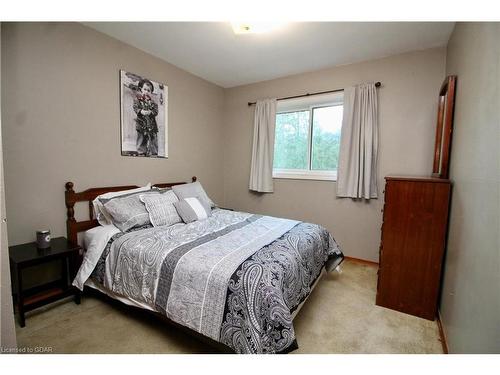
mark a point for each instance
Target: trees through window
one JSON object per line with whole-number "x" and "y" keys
{"x": 307, "y": 141}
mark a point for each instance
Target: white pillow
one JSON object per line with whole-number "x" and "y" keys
{"x": 100, "y": 213}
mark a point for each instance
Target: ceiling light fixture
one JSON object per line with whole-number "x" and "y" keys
{"x": 255, "y": 27}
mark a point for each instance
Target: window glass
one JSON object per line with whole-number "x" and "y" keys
{"x": 292, "y": 140}
{"x": 307, "y": 137}
{"x": 327, "y": 124}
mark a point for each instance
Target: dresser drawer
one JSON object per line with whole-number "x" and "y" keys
{"x": 412, "y": 245}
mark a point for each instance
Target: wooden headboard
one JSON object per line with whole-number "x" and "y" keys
{"x": 73, "y": 227}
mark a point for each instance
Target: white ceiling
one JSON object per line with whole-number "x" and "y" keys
{"x": 212, "y": 51}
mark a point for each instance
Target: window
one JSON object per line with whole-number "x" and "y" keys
{"x": 307, "y": 138}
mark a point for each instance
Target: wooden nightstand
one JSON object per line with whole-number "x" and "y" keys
{"x": 28, "y": 255}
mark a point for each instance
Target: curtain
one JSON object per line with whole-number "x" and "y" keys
{"x": 261, "y": 172}
{"x": 357, "y": 167}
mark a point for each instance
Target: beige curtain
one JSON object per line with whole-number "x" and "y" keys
{"x": 357, "y": 168}
{"x": 261, "y": 172}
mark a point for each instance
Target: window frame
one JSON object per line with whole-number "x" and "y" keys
{"x": 309, "y": 174}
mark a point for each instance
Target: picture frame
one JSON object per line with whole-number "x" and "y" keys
{"x": 143, "y": 116}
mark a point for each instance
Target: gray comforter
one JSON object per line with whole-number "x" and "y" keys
{"x": 235, "y": 277}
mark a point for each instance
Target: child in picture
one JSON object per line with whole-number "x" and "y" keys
{"x": 147, "y": 129}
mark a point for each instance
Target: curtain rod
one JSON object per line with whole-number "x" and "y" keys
{"x": 377, "y": 84}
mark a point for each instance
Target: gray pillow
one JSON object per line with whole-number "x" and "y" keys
{"x": 97, "y": 204}
{"x": 161, "y": 208}
{"x": 193, "y": 189}
{"x": 193, "y": 209}
{"x": 128, "y": 211}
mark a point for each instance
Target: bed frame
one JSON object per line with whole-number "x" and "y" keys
{"x": 73, "y": 227}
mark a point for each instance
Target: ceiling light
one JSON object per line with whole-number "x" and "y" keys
{"x": 254, "y": 27}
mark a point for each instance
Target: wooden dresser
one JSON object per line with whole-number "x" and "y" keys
{"x": 413, "y": 242}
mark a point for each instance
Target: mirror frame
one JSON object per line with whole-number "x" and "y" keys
{"x": 444, "y": 128}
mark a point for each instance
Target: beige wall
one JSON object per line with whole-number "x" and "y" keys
{"x": 470, "y": 304}
{"x": 61, "y": 122}
{"x": 408, "y": 104}
{"x": 7, "y": 332}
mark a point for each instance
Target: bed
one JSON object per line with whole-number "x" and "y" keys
{"x": 235, "y": 279}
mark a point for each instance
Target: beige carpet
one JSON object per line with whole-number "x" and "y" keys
{"x": 339, "y": 317}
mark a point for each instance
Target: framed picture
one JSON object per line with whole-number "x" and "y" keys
{"x": 144, "y": 116}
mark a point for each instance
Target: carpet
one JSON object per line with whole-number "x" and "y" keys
{"x": 340, "y": 316}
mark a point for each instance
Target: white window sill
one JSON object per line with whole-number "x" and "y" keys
{"x": 305, "y": 175}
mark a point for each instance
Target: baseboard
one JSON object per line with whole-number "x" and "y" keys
{"x": 442, "y": 336}
{"x": 362, "y": 261}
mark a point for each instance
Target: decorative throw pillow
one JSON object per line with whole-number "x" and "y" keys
{"x": 103, "y": 217}
{"x": 192, "y": 209}
{"x": 161, "y": 208}
{"x": 128, "y": 211}
{"x": 193, "y": 189}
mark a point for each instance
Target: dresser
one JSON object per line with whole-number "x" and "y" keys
{"x": 415, "y": 221}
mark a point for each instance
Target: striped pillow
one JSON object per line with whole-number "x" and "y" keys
{"x": 161, "y": 208}
{"x": 193, "y": 209}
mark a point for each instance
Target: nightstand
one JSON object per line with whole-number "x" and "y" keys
{"x": 28, "y": 255}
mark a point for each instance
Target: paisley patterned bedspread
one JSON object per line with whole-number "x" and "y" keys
{"x": 234, "y": 277}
